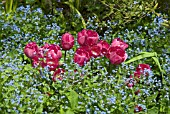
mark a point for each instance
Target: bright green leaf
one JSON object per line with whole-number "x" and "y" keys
{"x": 73, "y": 99}
{"x": 142, "y": 56}
{"x": 61, "y": 110}
{"x": 157, "y": 63}
{"x": 153, "y": 110}
{"x": 69, "y": 111}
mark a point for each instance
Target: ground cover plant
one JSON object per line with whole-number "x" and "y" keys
{"x": 113, "y": 63}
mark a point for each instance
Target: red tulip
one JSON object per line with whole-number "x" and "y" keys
{"x": 52, "y": 64}
{"x": 137, "y": 74}
{"x": 52, "y": 51}
{"x": 95, "y": 51}
{"x": 87, "y": 37}
{"x": 120, "y": 43}
{"x": 85, "y": 48}
{"x": 116, "y": 55}
{"x": 81, "y": 56}
{"x": 138, "y": 108}
{"x": 67, "y": 41}
{"x": 51, "y": 57}
{"x": 142, "y": 69}
{"x": 35, "y": 61}
{"x": 58, "y": 74}
{"x": 81, "y": 38}
{"x": 104, "y": 46}
{"x": 31, "y": 50}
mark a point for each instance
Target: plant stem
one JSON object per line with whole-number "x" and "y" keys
{"x": 65, "y": 56}
{"x": 92, "y": 65}
{"x": 109, "y": 69}
{"x": 119, "y": 71}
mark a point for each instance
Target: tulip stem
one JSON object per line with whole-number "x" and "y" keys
{"x": 119, "y": 71}
{"x": 92, "y": 65}
{"x": 65, "y": 55}
{"x": 109, "y": 68}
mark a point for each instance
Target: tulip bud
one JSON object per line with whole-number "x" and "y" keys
{"x": 67, "y": 41}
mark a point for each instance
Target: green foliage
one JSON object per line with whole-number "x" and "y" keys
{"x": 98, "y": 87}
{"x": 164, "y": 6}
{"x": 125, "y": 13}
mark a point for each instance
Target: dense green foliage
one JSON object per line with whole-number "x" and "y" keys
{"x": 97, "y": 88}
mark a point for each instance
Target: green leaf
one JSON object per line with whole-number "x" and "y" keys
{"x": 73, "y": 99}
{"x": 10, "y": 6}
{"x": 69, "y": 111}
{"x": 155, "y": 6}
{"x": 39, "y": 110}
{"x": 1, "y": 96}
{"x": 27, "y": 67}
{"x": 153, "y": 110}
{"x": 88, "y": 82}
{"x": 162, "y": 71}
{"x": 117, "y": 111}
{"x": 99, "y": 105}
{"x": 165, "y": 24}
{"x": 4, "y": 80}
{"x": 151, "y": 98}
{"x": 77, "y": 4}
{"x": 15, "y": 4}
{"x": 142, "y": 56}
{"x": 157, "y": 63}
{"x": 95, "y": 78}
{"x": 61, "y": 110}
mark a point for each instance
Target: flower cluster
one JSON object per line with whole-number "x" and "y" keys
{"x": 49, "y": 54}
{"x": 141, "y": 70}
{"x": 90, "y": 46}
{"x": 45, "y": 56}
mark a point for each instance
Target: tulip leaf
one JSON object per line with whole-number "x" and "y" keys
{"x": 15, "y": 4}
{"x": 69, "y": 111}
{"x": 157, "y": 62}
{"x": 73, "y": 99}
{"x": 162, "y": 71}
{"x": 10, "y": 5}
{"x": 142, "y": 56}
